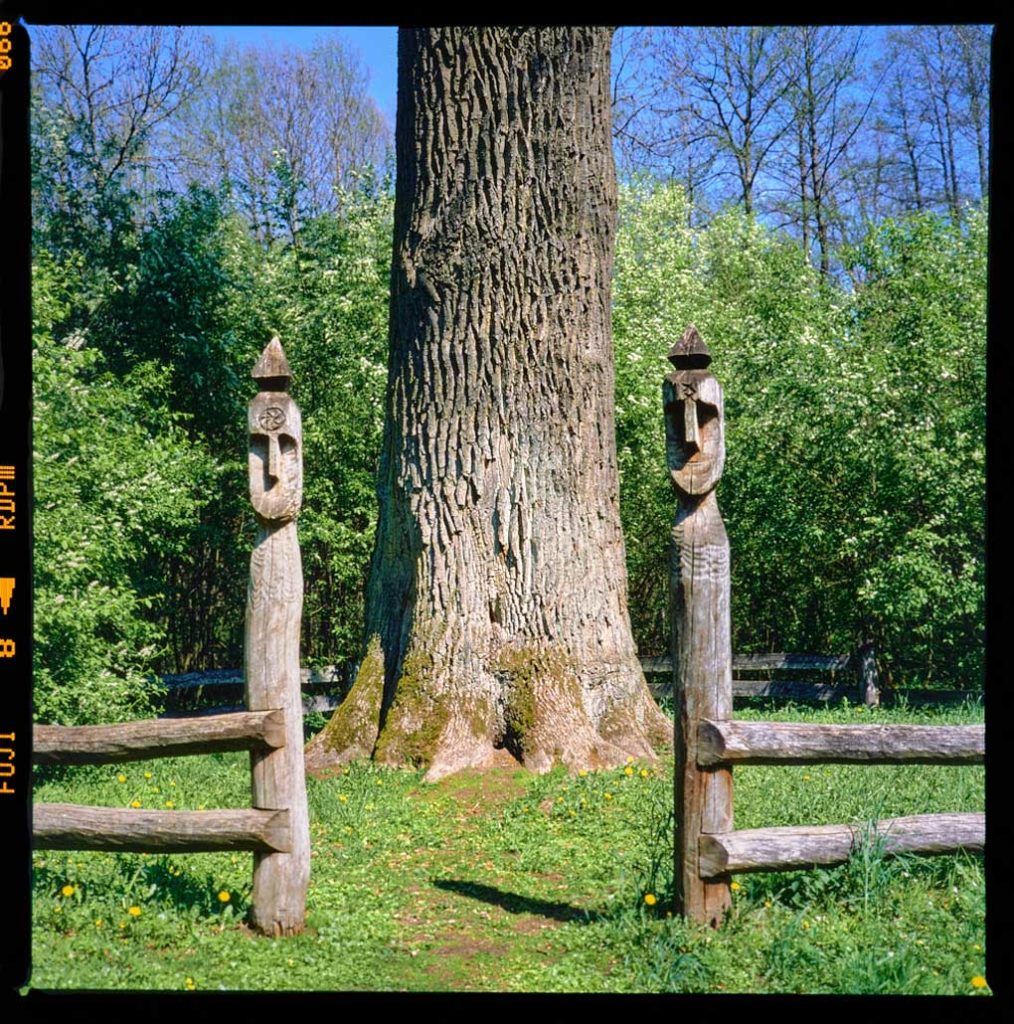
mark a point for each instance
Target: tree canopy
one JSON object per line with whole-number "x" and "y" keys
{"x": 854, "y": 489}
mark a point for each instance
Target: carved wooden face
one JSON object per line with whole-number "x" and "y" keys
{"x": 694, "y": 431}
{"x": 275, "y": 463}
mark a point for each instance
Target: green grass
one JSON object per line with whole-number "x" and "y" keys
{"x": 513, "y": 882}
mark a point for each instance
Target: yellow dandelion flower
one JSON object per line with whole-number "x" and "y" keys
{"x": 735, "y": 887}
{"x": 649, "y": 898}
{"x": 134, "y": 911}
{"x": 806, "y": 924}
{"x": 189, "y": 983}
{"x": 979, "y": 981}
{"x": 169, "y": 803}
{"x": 806, "y": 778}
{"x": 200, "y": 807}
{"x": 609, "y": 796}
{"x": 135, "y": 803}
{"x": 767, "y": 903}
{"x": 67, "y": 890}
{"x": 628, "y": 770}
{"x": 582, "y": 773}
{"x": 583, "y": 801}
{"x": 99, "y": 922}
{"x": 224, "y": 896}
{"x": 121, "y": 777}
{"x": 644, "y": 773}
{"x": 147, "y": 775}
{"x": 123, "y": 924}
{"x": 630, "y": 760}
{"x": 343, "y": 798}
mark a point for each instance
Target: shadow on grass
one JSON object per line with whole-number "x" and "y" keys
{"x": 514, "y": 903}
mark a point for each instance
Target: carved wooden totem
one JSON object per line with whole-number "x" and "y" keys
{"x": 699, "y": 595}
{"x": 271, "y": 656}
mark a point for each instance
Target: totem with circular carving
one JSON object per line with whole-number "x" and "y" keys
{"x": 271, "y": 653}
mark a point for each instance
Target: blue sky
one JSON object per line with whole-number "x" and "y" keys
{"x": 377, "y": 46}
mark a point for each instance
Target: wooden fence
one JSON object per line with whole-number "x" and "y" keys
{"x": 708, "y": 850}
{"x": 860, "y": 667}
{"x": 276, "y": 828}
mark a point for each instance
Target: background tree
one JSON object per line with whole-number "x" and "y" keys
{"x": 496, "y": 611}
{"x": 846, "y": 393}
{"x": 818, "y": 69}
{"x": 284, "y": 129}
{"x": 707, "y": 107}
{"x": 103, "y": 92}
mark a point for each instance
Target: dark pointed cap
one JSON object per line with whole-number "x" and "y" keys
{"x": 272, "y": 370}
{"x": 690, "y": 352}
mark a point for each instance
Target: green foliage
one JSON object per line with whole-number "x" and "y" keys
{"x": 327, "y": 299}
{"x": 853, "y": 490}
{"x": 115, "y": 485}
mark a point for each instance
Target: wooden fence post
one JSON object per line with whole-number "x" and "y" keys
{"x": 869, "y": 680}
{"x": 700, "y": 640}
{"x": 271, "y": 652}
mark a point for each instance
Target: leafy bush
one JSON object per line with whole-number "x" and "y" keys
{"x": 855, "y": 421}
{"x": 116, "y": 484}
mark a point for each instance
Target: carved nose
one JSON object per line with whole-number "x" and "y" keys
{"x": 274, "y": 457}
{"x": 690, "y": 429}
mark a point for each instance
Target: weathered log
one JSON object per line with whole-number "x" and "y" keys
{"x": 271, "y": 650}
{"x": 137, "y": 741}
{"x": 323, "y": 675}
{"x": 787, "y": 848}
{"x": 77, "y": 827}
{"x": 802, "y": 662}
{"x": 734, "y": 742}
{"x": 699, "y": 597}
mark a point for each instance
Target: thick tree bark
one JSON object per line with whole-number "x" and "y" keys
{"x": 496, "y": 609}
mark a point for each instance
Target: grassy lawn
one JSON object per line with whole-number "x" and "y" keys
{"x": 512, "y": 882}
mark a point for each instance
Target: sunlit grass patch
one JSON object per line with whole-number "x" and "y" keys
{"x": 506, "y": 881}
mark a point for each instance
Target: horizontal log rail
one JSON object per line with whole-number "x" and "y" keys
{"x": 323, "y": 676}
{"x": 791, "y": 689}
{"x": 787, "y": 848}
{"x": 136, "y": 741}
{"x": 758, "y": 662}
{"x": 739, "y": 742}
{"x": 78, "y": 827}
{"x": 310, "y": 704}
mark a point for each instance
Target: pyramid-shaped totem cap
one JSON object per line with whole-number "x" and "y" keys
{"x": 690, "y": 352}
{"x": 272, "y": 369}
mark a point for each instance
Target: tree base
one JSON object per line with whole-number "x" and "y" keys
{"x": 532, "y": 705}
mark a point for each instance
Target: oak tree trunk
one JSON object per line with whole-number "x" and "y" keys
{"x": 496, "y": 611}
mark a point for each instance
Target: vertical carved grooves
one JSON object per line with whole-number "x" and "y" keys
{"x": 498, "y": 582}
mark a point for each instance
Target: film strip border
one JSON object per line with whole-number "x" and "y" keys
{"x": 15, "y": 506}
